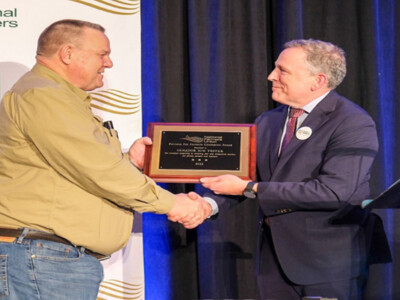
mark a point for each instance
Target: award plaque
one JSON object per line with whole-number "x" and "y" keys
{"x": 186, "y": 152}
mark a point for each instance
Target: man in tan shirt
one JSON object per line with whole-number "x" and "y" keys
{"x": 67, "y": 192}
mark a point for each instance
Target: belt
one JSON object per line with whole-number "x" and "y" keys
{"x": 42, "y": 235}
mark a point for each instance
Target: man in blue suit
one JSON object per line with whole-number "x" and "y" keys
{"x": 310, "y": 164}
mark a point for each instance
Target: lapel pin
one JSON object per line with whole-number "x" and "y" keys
{"x": 303, "y": 133}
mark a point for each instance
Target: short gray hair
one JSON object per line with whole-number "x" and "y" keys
{"x": 61, "y": 32}
{"x": 323, "y": 57}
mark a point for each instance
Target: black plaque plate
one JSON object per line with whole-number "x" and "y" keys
{"x": 185, "y": 152}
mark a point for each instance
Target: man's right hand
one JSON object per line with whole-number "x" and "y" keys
{"x": 190, "y": 210}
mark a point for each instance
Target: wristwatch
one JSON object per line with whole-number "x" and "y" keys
{"x": 249, "y": 192}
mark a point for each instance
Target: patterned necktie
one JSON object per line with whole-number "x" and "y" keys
{"x": 291, "y": 126}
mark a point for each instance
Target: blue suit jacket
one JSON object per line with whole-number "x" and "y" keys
{"x": 311, "y": 181}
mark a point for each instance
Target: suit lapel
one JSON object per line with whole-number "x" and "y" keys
{"x": 268, "y": 140}
{"x": 277, "y": 129}
{"x": 318, "y": 116}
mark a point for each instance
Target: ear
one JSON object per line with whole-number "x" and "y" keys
{"x": 320, "y": 81}
{"x": 65, "y": 53}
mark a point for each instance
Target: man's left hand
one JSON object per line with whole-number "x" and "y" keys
{"x": 225, "y": 184}
{"x": 137, "y": 151}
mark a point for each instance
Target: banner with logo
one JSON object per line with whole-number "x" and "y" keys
{"x": 119, "y": 100}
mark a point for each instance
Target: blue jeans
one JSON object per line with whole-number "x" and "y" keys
{"x": 45, "y": 270}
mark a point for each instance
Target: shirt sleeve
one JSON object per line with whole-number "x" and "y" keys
{"x": 214, "y": 206}
{"x": 63, "y": 130}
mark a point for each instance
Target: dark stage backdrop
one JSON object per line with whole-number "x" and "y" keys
{"x": 208, "y": 61}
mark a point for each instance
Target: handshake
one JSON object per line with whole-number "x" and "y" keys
{"x": 190, "y": 210}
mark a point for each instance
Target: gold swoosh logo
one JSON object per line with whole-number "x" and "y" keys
{"x": 116, "y": 289}
{"x": 193, "y": 139}
{"x": 118, "y": 7}
{"x": 116, "y": 102}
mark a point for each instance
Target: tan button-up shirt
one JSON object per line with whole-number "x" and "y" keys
{"x": 62, "y": 172}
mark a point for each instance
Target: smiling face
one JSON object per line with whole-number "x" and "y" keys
{"x": 90, "y": 59}
{"x": 292, "y": 82}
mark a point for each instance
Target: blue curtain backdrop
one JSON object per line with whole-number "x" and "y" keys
{"x": 207, "y": 61}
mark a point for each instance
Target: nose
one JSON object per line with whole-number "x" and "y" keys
{"x": 108, "y": 62}
{"x": 273, "y": 75}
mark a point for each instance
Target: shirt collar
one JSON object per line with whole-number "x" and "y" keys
{"x": 311, "y": 105}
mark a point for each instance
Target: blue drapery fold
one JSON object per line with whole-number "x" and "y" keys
{"x": 155, "y": 238}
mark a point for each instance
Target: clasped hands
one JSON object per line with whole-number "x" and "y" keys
{"x": 223, "y": 184}
{"x": 190, "y": 210}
